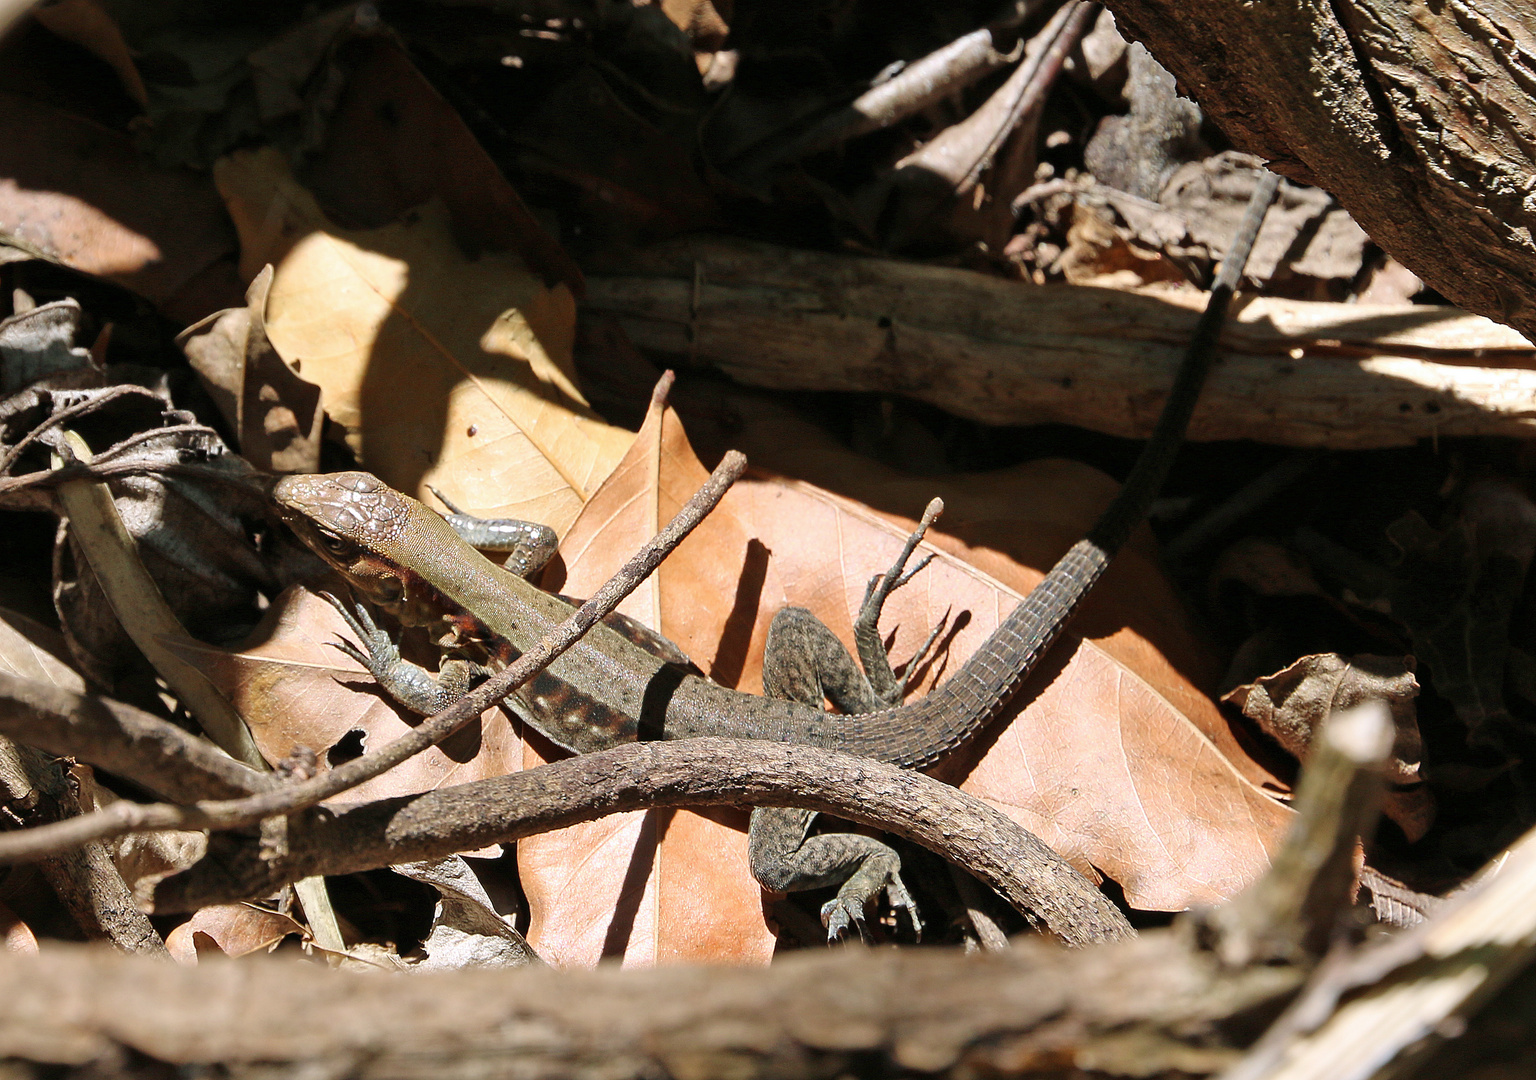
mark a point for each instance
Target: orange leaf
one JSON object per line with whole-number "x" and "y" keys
{"x": 1111, "y": 753}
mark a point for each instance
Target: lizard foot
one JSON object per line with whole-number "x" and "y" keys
{"x": 839, "y": 916}
{"x": 379, "y": 652}
{"x": 845, "y": 911}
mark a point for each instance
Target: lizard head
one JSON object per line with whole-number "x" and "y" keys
{"x": 357, "y": 524}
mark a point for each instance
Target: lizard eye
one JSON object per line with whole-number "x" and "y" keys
{"x": 339, "y": 546}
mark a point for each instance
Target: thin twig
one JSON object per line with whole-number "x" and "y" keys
{"x": 79, "y": 408}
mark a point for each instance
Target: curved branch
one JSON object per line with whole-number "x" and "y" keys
{"x": 690, "y": 772}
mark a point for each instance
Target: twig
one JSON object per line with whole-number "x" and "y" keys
{"x": 122, "y": 739}
{"x": 79, "y": 408}
{"x": 689, "y": 772}
{"x": 962, "y": 152}
{"x": 920, "y": 84}
{"x": 35, "y": 787}
{"x": 124, "y": 817}
{"x": 1290, "y": 914}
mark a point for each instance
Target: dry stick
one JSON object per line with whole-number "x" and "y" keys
{"x": 963, "y": 151}
{"x": 167, "y": 760}
{"x": 1290, "y": 914}
{"x": 922, "y": 83}
{"x": 690, "y": 772}
{"x": 86, "y": 880}
{"x": 123, "y": 817}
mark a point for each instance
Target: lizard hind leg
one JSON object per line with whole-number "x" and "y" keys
{"x": 804, "y": 661}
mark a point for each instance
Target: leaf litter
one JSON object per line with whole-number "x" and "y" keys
{"x": 408, "y": 310}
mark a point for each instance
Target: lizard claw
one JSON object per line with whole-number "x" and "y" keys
{"x": 840, "y": 915}
{"x": 844, "y": 913}
{"x": 378, "y": 648}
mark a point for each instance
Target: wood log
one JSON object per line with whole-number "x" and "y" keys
{"x": 1004, "y": 352}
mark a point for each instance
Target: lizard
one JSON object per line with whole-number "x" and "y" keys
{"x": 622, "y": 683}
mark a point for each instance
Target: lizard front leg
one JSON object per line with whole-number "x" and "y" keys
{"x": 804, "y": 661}
{"x": 410, "y": 684}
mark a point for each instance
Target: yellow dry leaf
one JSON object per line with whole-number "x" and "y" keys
{"x": 443, "y": 370}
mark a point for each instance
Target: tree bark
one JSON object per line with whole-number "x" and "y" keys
{"x": 1418, "y": 117}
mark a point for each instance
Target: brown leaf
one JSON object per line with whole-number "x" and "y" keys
{"x": 1111, "y": 754}
{"x": 659, "y": 886}
{"x": 232, "y": 929}
{"x": 300, "y": 695}
{"x": 443, "y": 370}
{"x": 144, "y": 859}
{"x": 1204, "y": 840}
{"x": 1292, "y": 705}
{"x": 81, "y": 194}
{"x": 15, "y": 935}
{"x": 394, "y": 143}
{"x": 276, "y": 414}
{"x": 89, "y": 25}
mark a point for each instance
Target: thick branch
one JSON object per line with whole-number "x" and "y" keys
{"x": 692, "y": 772}
{"x": 1024, "y": 1012}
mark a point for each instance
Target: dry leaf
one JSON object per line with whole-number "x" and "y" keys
{"x": 301, "y": 696}
{"x": 276, "y": 414}
{"x": 443, "y": 370}
{"x": 89, "y": 25}
{"x": 394, "y": 143}
{"x": 143, "y": 859}
{"x": 1292, "y": 705}
{"x": 15, "y": 935}
{"x": 1111, "y": 754}
{"x": 1173, "y": 826}
{"x": 467, "y": 930}
{"x": 80, "y": 193}
{"x": 30, "y": 650}
{"x": 231, "y": 929}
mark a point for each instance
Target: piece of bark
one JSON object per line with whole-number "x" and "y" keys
{"x": 1415, "y": 116}
{"x": 1375, "y": 1013}
{"x": 1116, "y": 1010}
{"x": 1001, "y": 352}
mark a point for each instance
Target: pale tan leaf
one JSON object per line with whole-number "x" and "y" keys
{"x": 443, "y": 370}
{"x": 231, "y": 929}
